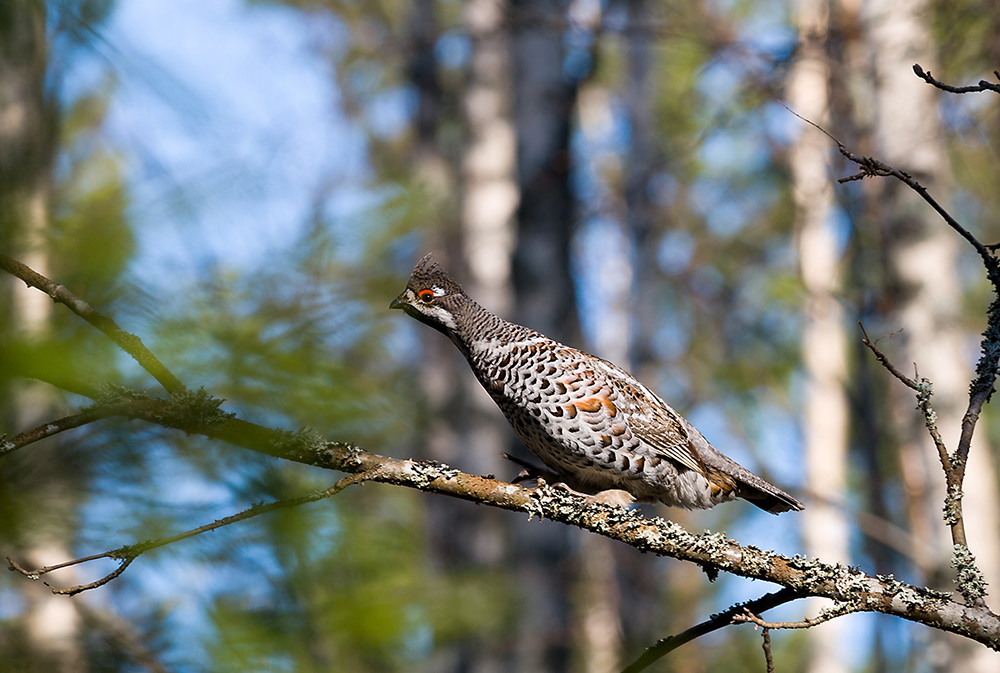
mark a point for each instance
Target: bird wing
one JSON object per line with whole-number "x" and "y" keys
{"x": 651, "y": 419}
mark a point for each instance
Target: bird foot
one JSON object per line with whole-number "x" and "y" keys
{"x": 614, "y": 497}
{"x": 530, "y": 471}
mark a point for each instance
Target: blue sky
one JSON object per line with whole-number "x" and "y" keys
{"x": 230, "y": 123}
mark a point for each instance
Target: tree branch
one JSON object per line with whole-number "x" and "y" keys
{"x": 747, "y": 616}
{"x": 129, "y": 553}
{"x": 129, "y": 343}
{"x": 766, "y": 646}
{"x": 51, "y": 428}
{"x": 982, "y": 86}
{"x": 969, "y": 577}
{"x": 666, "y": 645}
{"x": 196, "y": 412}
{"x": 809, "y": 577}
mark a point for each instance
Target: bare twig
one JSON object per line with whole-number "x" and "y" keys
{"x": 880, "y": 356}
{"x": 748, "y": 617}
{"x": 969, "y": 578}
{"x": 924, "y": 391}
{"x": 129, "y": 553}
{"x": 666, "y": 645}
{"x": 982, "y": 86}
{"x": 129, "y": 343}
{"x": 766, "y": 645}
{"x": 51, "y": 428}
{"x": 871, "y": 167}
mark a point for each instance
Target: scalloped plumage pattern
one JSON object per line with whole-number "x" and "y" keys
{"x": 585, "y": 418}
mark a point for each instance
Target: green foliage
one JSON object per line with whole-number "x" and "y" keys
{"x": 358, "y": 596}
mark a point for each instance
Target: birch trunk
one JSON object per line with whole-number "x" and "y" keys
{"x": 924, "y": 258}
{"x": 467, "y": 429}
{"x": 825, "y": 529}
{"x": 51, "y": 623}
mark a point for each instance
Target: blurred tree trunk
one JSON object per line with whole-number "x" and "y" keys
{"x": 544, "y": 103}
{"x": 825, "y": 529}
{"x": 468, "y": 430}
{"x": 676, "y": 588}
{"x": 51, "y": 623}
{"x": 851, "y": 113}
{"x": 544, "y": 100}
{"x": 924, "y": 256}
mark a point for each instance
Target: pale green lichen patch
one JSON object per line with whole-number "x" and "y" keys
{"x": 953, "y": 505}
{"x": 423, "y": 474}
{"x": 302, "y": 444}
{"x": 346, "y": 455}
{"x": 109, "y": 393}
{"x": 967, "y": 576}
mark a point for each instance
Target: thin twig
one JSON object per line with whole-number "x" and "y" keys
{"x": 982, "y": 86}
{"x": 880, "y": 356}
{"x": 766, "y": 645}
{"x": 129, "y": 553}
{"x": 970, "y": 582}
{"x": 129, "y": 343}
{"x": 871, "y": 167}
{"x": 51, "y": 428}
{"x": 924, "y": 390}
{"x": 749, "y": 617}
{"x": 662, "y": 647}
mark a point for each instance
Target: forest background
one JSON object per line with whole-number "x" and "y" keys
{"x": 246, "y": 186}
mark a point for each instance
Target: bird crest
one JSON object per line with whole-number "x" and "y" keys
{"x": 428, "y": 274}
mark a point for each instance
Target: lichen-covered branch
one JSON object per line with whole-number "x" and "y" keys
{"x": 196, "y": 412}
{"x": 968, "y": 578}
{"x": 808, "y": 577}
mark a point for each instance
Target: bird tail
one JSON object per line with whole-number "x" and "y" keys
{"x": 769, "y": 498}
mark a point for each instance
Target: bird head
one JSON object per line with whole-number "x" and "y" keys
{"x": 432, "y": 297}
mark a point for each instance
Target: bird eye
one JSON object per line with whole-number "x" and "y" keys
{"x": 426, "y": 296}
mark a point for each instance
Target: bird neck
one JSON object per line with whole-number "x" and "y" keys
{"x": 477, "y": 327}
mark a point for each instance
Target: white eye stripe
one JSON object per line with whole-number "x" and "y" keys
{"x": 443, "y": 316}
{"x": 427, "y": 294}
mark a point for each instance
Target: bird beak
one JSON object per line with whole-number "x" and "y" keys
{"x": 399, "y": 302}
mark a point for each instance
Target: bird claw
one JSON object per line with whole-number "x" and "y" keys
{"x": 530, "y": 471}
